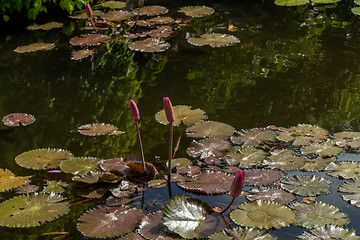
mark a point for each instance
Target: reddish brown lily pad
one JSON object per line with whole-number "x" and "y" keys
{"x": 35, "y": 47}
{"x": 150, "y": 10}
{"x": 262, "y": 177}
{"x": 149, "y": 45}
{"x": 270, "y": 194}
{"x": 80, "y": 54}
{"x": 118, "y": 15}
{"x": 45, "y": 26}
{"x": 211, "y": 147}
{"x": 14, "y": 119}
{"x": 89, "y": 40}
{"x": 253, "y": 137}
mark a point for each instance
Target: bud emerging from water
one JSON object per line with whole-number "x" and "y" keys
{"x": 134, "y": 111}
{"x": 88, "y": 10}
{"x": 237, "y": 185}
{"x": 169, "y": 110}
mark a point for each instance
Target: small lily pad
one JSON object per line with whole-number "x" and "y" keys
{"x": 263, "y": 214}
{"x": 55, "y": 187}
{"x": 26, "y": 189}
{"x": 96, "y": 129}
{"x": 149, "y": 45}
{"x": 117, "y": 165}
{"x": 190, "y": 171}
{"x": 179, "y": 162}
{"x": 344, "y": 169}
{"x": 80, "y": 165}
{"x": 316, "y": 164}
{"x": 253, "y": 137}
{"x": 210, "y": 147}
{"x": 329, "y": 232}
{"x": 80, "y": 54}
{"x": 112, "y": 4}
{"x": 291, "y": 2}
{"x": 210, "y": 129}
{"x": 306, "y": 185}
{"x": 35, "y": 47}
{"x": 8, "y": 180}
{"x": 46, "y": 26}
{"x": 303, "y": 134}
{"x": 117, "y": 16}
{"x": 262, "y": 177}
{"x": 157, "y": 183}
{"x": 161, "y": 20}
{"x": 150, "y": 10}
{"x": 347, "y": 139}
{"x": 15, "y": 119}
{"x": 89, "y": 40}
{"x": 325, "y": 149}
{"x": 355, "y": 10}
{"x": 182, "y": 114}
{"x": 350, "y": 186}
{"x": 354, "y": 199}
{"x": 270, "y": 194}
{"x": 247, "y": 157}
{"x": 214, "y": 40}
{"x": 43, "y": 158}
{"x": 197, "y": 11}
{"x": 243, "y": 234}
{"x": 325, "y": 1}
{"x": 285, "y": 162}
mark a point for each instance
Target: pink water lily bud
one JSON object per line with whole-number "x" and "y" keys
{"x": 169, "y": 110}
{"x": 134, "y": 111}
{"x": 55, "y": 171}
{"x": 88, "y": 10}
{"x": 237, "y": 185}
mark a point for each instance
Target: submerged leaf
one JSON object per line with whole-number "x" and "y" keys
{"x": 210, "y": 129}
{"x": 243, "y": 234}
{"x": 35, "y": 47}
{"x": 14, "y": 119}
{"x": 306, "y": 185}
{"x": 210, "y": 147}
{"x": 183, "y": 114}
{"x": 149, "y": 45}
{"x": 345, "y": 169}
{"x": 214, "y": 40}
{"x": 8, "y": 180}
{"x": 253, "y": 137}
{"x": 96, "y": 129}
{"x": 197, "y": 11}
{"x": 329, "y": 232}
{"x": 270, "y": 194}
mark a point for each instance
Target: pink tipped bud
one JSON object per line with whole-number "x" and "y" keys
{"x": 237, "y": 185}
{"x": 55, "y": 171}
{"x": 88, "y": 10}
{"x": 169, "y": 110}
{"x": 134, "y": 111}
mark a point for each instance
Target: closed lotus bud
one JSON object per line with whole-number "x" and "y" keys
{"x": 169, "y": 110}
{"x": 134, "y": 111}
{"x": 88, "y": 10}
{"x": 237, "y": 185}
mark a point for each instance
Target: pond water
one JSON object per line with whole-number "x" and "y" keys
{"x": 293, "y": 65}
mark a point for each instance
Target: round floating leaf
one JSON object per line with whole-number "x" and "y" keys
{"x": 303, "y": 134}
{"x": 247, "y": 157}
{"x": 55, "y": 187}
{"x": 150, "y": 10}
{"x": 112, "y": 4}
{"x": 131, "y": 236}
{"x": 90, "y": 177}
{"x": 109, "y": 222}
{"x": 118, "y": 15}
{"x": 46, "y": 26}
{"x": 179, "y": 162}
{"x": 117, "y": 165}
{"x": 210, "y": 147}
{"x": 285, "y": 162}
{"x": 183, "y": 114}
{"x": 350, "y": 186}
{"x": 262, "y": 177}
{"x": 96, "y": 190}
{"x": 291, "y": 2}
{"x": 243, "y": 234}
{"x": 89, "y": 40}
{"x": 210, "y": 129}
{"x": 158, "y": 183}
{"x": 345, "y": 169}
{"x": 123, "y": 189}
{"x": 189, "y": 170}
{"x": 27, "y": 189}
{"x": 306, "y": 185}
{"x": 161, "y": 20}
{"x": 183, "y": 214}
{"x": 83, "y": 14}
{"x": 347, "y": 139}
{"x": 316, "y": 164}
{"x": 329, "y": 232}
{"x": 357, "y": 2}
{"x": 35, "y": 47}
{"x": 262, "y": 214}
{"x": 149, "y": 45}
{"x": 32, "y": 211}
{"x": 325, "y": 149}
{"x": 354, "y": 199}
{"x": 80, "y": 165}
{"x": 80, "y": 54}
{"x": 137, "y": 168}
{"x": 14, "y": 119}
{"x": 43, "y": 158}
{"x": 214, "y": 40}
{"x": 355, "y": 10}
{"x": 8, "y": 180}
{"x": 209, "y": 182}
{"x": 253, "y": 137}
{"x": 325, "y": 1}
{"x": 197, "y": 11}
{"x": 270, "y": 194}
{"x": 311, "y": 215}
{"x": 96, "y": 129}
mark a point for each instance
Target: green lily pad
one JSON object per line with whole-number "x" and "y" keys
{"x": 35, "y": 47}
{"x": 306, "y": 185}
{"x": 96, "y": 129}
{"x": 348, "y": 139}
{"x": 247, "y": 157}
{"x": 210, "y": 147}
{"x": 357, "y": 2}
{"x": 55, "y": 187}
{"x": 150, "y": 10}
{"x": 329, "y": 232}
{"x": 210, "y": 129}
{"x": 45, "y": 26}
{"x": 80, "y": 165}
{"x": 262, "y": 214}
{"x": 253, "y": 137}
{"x": 15, "y": 119}
{"x": 117, "y": 16}
{"x": 8, "y": 180}
{"x": 183, "y": 114}
{"x": 303, "y": 134}
{"x": 312, "y": 215}
{"x": 112, "y": 4}
{"x": 183, "y": 214}
{"x": 350, "y": 186}
{"x": 345, "y": 169}
{"x": 325, "y": 149}
{"x": 214, "y": 40}
{"x": 262, "y": 177}
{"x": 270, "y": 194}
{"x": 197, "y": 11}
{"x": 80, "y": 54}
{"x": 243, "y": 234}
{"x": 325, "y": 1}
{"x": 32, "y": 211}
{"x": 179, "y": 162}
{"x": 291, "y": 2}
{"x": 43, "y": 158}
{"x": 149, "y": 45}
{"x": 316, "y": 164}
{"x": 285, "y": 162}
{"x": 109, "y": 222}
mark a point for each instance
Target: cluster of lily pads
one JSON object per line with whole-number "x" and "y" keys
{"x": 109, "y": 19}
{"x": 219, "y": 151}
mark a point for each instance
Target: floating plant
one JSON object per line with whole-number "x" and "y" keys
{"x": 84, "y": 15}
{"x": 15, "y": 119}
{"x": 183, "y": 114}
{"x": 351, "y": 187}
{"x": 210, "y": 129}
{"x": 190, "y": 171}
{"x": 123, "y": 189}
{"x": 210, "y": 147}
{"x": 243, "y": 234}
{"x": 197, "y": 11}
{"x": 149, "y": 45}
{"x": 111, "y": 5}
{"x": 325, "y": 149}
{"x": 96, "y": 129}
{"x": 26, "y": 189}
{"x": 253, "y": 137}
{"x": 161, "y": 32}
{"x": 97, "y": 190}
{"x": 8, "y": 180}
{"x": 285, "y": 162}
{"x": 80, "y": 165}
{"x": 179, "y": 162}
{"x": 55, "y": 187}
{"x": 344, "y": 169}
{"x": 35, "y": 47}
{"x": 45, "y": 26}
{"x": 89, "y": 40}
{"x": 150, "y": 10}
{"x": 316, "y": 164}
{"x": 161, "y": 20}
{"x": 158, "y": 183}
{"x": 80, "y": 54}
{"x": 270, "y": 194}
{"x": 291, "y": 2}
{"x": 303, "y": 134}
{"x": 117, "y": 16}
{"x": 214, "y": 40}
{"x": 117, "y": 165}
{"x": 306, "y": 185}
{"x": 347, "y": 139}
{"x": 329, "y": 232}
{"x": 246, "y": 157}
{"x": 262, "y": 177}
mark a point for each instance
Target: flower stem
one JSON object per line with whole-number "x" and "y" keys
{"x": 141, "y": 148}
{"x": 170, "y": 156}
{"x": 228, "y": 206}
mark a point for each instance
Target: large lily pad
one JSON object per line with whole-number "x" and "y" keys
{"x": 210, "y": 129}
{"x": 210, "y": 147}
{"x": 253, "y": 137}
{"x": 45, "y": 26}
{"x": 15, "y": 119}
{"x": 262, "y": 177}
{"x": 96, "y": 129}
{"x": 243, "y": 234}
{"x": 32, "y": 211}
{"x": 80, "y": 165}
{"x": 306, "y": 185}
{"x": 329, "y": 232}
{"x": 8, "y": 180}
{"x": 263, "y": 214}
{"x": 182, "y": 114}
{"x": 183, "y": 214}
{"x": 270, "y": 194}
{"x": 150, "y": 10}
{"x": 311, "y": 215}
{"x": 111, "y": 4}
{"x": 285, "y": 162}
{"x": 354, "y": 199}
{"x": 117, "y": 15}
{"x": 316, "y": 164}
{"x": 107, "y": 222}
{"x": 197, "y": 11}
{"x": 345, "y": 169}
{"x": 347, "y": 139}
{"x": 291, "y": 2}
{"x": 35, "y": 47}
{"x": 247, "y": 157}
{"x": 214, "y": 40}
{"x": 325, "y": 149}
{"x": 350, "y": 186}
{"x": 149, "y": 45}
{"x": 89, "y": 40}
{"x": 43, "y": 158}
{"x": 303, "y": 134}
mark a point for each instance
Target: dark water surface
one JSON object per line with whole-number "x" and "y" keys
{"x": 293, "y": 65}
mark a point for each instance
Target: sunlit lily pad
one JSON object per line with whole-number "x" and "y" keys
{"x": 329, "y": 232}
{"x": 161, "y": 20}
{"x": 32, "y": 211}
{"x": 80, "y": 165}
{"x": 80, "y": 54}
{"x": 150, "y": 10}
{"x": 43, "y": 158}
{"x": 325, "y": 1}
{"x": 161, "y": 32}
{"x": 270, "y": 194}
{"x": 35, "y": 47}
{"x": 131, "y": 236}
{"x": 350, "y": 186}
{"x": 303, "y": 134}
{"x": 190, "y": 171}
{"x": 285, "y": 162}
{"x": 262, "y": 177}
{"x": 253, "y": 137}
{"x": 209, "y": 182}
{"x": 316, "y": 164}
{"x": 210, "y": 147}
{"x": 179, "y": 162}
{"x": 118, "y": 15}
{"x": 46, "y": 26}
{"x": 214, "y": 40}
{"x": 90, "y": 177}
{"x": 157, "y": 183}
{"x": 197, "y": 11}
{"x": 8, "y": 180}
{"x": 243, "y": 234}
{"x": 117, "y": 165}
{"x": 291, "y": 2}
{"x": 246, "y": 157}
{"x": 183, "y": 214}
{"x": 123, "y": 189}
{"x": 107, "y": 222}
{"x": 355, "y": 10}
{"x": 311, "y": 215}
{"x": 112, "y": 4}
{"x": 306, "y": 185}
{"x": 325, "y": 149}
{"x": 210, "y": 129}
{"x": 344, "y": 169}
{"x": 149, "y": 45}
{"x": 96, "y": 129}
{"x": 26, "y": 189}
{"x": 354, "y": 199}
{"x": 347, "y": 139}
{"x": 183, "y": 114}
{"x": 262, "y": 214}
{"x": 55, "y": 187}
{"x": 89, "y": 40}
{"x": 15, "y": 119}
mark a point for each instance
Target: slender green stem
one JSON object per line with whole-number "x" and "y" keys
{"x": 170, "y": 156}
{"x": 228, "y": 206}
{"x": 141, "y": 148}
